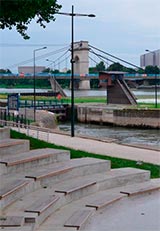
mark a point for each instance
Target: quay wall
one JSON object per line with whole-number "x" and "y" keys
{"x": 137, "y": 117}
{"x": 120, "y": 117}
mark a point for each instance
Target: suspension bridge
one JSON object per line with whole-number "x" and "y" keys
{"x": 82, "y": 57}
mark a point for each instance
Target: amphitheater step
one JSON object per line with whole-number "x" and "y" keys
{"x": 122, "y": 176}
{"x": 76, "y": 189}
{"x": 11, "y": 221}
{"x": 21, "y": 228}
{"x": 9, "y": 147}
{"x": 104, "y": 200}
{"x": 78, "y": 219}
{"x": 4, "y": 133}
{"x": 69, "y": 169}
{"x": 41, "y": 209}
{"x": 32, "y": 159}
{"x": 14, "y": 190}
{"x": 145, "y": 187}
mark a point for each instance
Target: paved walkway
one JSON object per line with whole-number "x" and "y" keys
{"x": 107, "y": 148}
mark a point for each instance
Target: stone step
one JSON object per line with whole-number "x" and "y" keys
{"x": 32, "y": 159}
{"x": 22, "y": 228}
{"x": 13, "y": 190}
{"x": 4, "y": 133}
{"x": 76, "y": 188}
{"x": 9, "y": 147}
{"x": 122, "y": 176}
{"x": 101, "y": 201}
{"x": 41, "y": 209}
{"x": 82, "y": 186}
{"x": 78, "y": 219}
{"x": 11, "y": 221}
{"x": 69, "y": 169}
{"x": 144, "y": 187}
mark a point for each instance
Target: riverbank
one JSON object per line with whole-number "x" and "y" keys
{"x": 119, "y": 115}
{"x": 98, "y": 147}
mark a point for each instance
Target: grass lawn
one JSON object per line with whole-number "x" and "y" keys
{"x": 115, "y": 162}
{"x": 87, "y": 99}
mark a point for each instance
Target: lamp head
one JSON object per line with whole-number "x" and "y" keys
{"x": 92, "y": 15}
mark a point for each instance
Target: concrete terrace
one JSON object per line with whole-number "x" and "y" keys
{"x": 45, "y": 190}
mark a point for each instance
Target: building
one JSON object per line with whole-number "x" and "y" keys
{"x": 151, "y": 58}
{"x": 30, "y": 69}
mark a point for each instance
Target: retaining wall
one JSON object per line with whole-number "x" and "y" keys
{"x": 121, "y": 117}
{"x": 137, "y": 117}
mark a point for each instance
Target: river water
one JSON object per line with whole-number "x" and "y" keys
{"x": 122, "y": 135}
{"x": 149, "y": 137}
{"x": 134, "y": 136}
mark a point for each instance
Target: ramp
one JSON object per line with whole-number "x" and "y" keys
{"x": 119, "y": 93}
{"x": 56, "y": 87}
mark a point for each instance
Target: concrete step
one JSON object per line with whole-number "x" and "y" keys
{"x": 81, "y": 187}
{"x": 141, "y": 188}
{"x": 76, "y": 188}
{"x": 100, "y": 200}
{"x": 9, "y": 147}
{"x": 69, "y": 169}
{"x": 13, "y": 190}
{"x": 32, "y": 159}
{"x": 78, "y": 219}
{"x": 41, "y": 209}
{"x": 122, "y": 176}
{"x": 4, "y": 133}
{"x": 103, "y": 200}
{"x": 11, "y": 221}
{"x": 22, "y": 228}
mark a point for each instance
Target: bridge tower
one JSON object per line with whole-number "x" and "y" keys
{"x": 81, "y": 65}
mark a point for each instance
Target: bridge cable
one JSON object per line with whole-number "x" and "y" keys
{"x": 102, "y": 57}
{"x": 39, "y": 57}
{"x": 116, "y": 57}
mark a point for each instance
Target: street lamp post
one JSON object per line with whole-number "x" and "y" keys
{"x": 34, "y": 79}
{"x": 72, "y": 14}
{"x": 155, "y": 79}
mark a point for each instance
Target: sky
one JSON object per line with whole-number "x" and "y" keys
{"x": 124, "y": 28}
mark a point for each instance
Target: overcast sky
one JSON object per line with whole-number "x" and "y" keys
{"x": 124, "y": 28}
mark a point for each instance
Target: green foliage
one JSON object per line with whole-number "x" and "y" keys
{"x": 152, "y": 70}
{"x": 94, "y": 83}
{"x": 115, "y": 162}
{"x": 92, "y": 70}
{"x": 19, "y": 13}
{"x": 115, "y": 67}
{"x": 5, "y": 71}
{"x": 119, "y": 67}
{"x": 100, "y": 66}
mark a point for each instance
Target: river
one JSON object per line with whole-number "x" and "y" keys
{"x": 134, "y": 136}
{"x": 122, "y": 135}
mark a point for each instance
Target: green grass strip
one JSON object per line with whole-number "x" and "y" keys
{"x": 115, "y": 162}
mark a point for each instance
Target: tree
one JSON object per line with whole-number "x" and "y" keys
{"x": 115, "y": 67}
{"x": 152, "y": 70}
{"x": 100, "y": 66}
{"x": 5, "y": 71}
{"x": 19, "y": 13}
